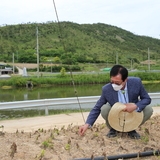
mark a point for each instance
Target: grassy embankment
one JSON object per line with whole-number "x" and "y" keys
{"x": 79, "y": 79}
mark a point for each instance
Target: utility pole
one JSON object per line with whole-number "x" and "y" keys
{"x": 148, "y": 60}
{"x": 51, "y": 67}
{"x": 37, "y": 53}
{"x": 131, "y": 64}
{"x": 13, "y": 62}
{"x": 17, "y": 56}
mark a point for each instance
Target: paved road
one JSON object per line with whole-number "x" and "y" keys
{"x": 20, "y": 71}
{"x": 49, "y": 122}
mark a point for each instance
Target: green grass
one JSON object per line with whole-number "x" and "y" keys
{"x": 80, "y": 79}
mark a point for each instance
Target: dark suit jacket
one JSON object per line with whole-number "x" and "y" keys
{"x": 136, "y": 94}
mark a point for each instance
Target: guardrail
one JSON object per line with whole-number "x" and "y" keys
{"x": 63, "y": 103}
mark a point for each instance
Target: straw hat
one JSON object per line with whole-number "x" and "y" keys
{"x": 124, "y": 121}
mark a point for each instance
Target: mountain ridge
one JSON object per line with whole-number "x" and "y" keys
{"x": 68, "y": 42}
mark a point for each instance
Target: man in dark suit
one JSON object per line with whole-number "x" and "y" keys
{"x": 124, "y": 89}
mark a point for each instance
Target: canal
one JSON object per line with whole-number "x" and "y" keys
{"x": 59, "y": 92}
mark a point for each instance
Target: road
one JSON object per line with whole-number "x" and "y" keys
{"x": 20, "y": 71}
{"x": 49, "y": 122}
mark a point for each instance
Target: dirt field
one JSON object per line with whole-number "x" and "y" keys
{"x": 65, "y": 143}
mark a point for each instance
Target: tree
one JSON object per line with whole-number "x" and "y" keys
{"x": 63, "y": 71}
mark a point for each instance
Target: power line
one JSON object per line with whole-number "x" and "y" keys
{"x": 61, "y": 37}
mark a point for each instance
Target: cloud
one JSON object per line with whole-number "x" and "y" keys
{"x": 138, "y": 16}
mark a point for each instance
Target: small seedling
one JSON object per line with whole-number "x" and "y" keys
{"x": 1, "y": 126}
{"x": 47, "y": 144}
{"x": 13, "y": 149}
{"x": 41, "y": 154}
{"x": 67, "y": 147}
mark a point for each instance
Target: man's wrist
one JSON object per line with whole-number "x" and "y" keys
{"x": 89, "y": 126}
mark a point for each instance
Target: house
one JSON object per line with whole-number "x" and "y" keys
{"x": 5, "y": 70}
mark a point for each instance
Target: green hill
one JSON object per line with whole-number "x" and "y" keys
{"x": 71, "y": 43}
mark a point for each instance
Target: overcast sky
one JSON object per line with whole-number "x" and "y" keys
{"x": 140, "y": 17}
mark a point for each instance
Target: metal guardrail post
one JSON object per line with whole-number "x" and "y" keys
{"x": 46, "y": 110}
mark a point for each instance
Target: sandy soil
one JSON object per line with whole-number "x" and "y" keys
{"x": 56, "y": 138}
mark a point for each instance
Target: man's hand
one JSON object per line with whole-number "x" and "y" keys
{"x": 130, "y": 107}
{"x": 83, "y": 129}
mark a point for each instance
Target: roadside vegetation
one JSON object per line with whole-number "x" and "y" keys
{"x": 64, "y": 78}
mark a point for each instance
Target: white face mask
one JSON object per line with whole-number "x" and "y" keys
{"x": 117, "y": 87}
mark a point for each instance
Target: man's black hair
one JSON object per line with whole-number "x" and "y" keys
{"x": 119, "y": 69}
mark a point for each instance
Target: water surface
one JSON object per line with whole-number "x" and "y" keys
{"x": 58, "y": 92}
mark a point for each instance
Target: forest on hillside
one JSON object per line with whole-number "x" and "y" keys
{"x": 72, "y": 43}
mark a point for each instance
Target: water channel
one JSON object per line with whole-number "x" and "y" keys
{"x": 49, "y": 93}
{"x": 58, "y": 92}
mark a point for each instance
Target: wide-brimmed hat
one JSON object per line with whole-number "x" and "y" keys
{"x": 124, "y": 121}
